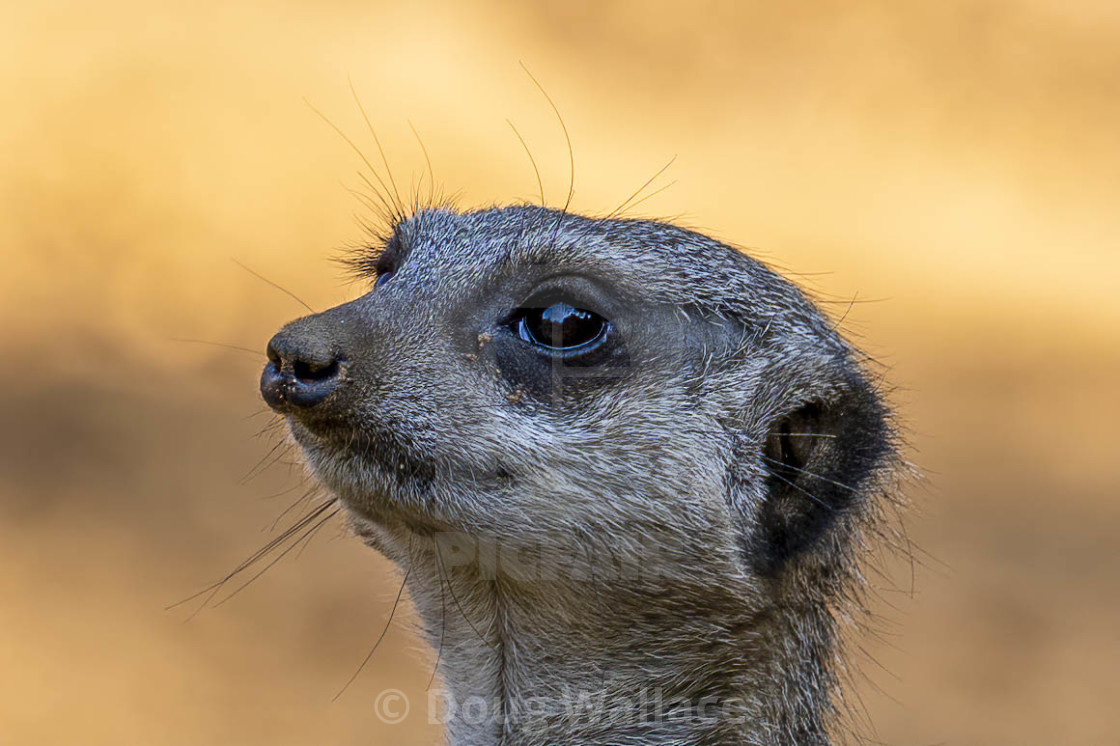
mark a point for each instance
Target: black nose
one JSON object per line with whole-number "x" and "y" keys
{"x": 301, "y": 372}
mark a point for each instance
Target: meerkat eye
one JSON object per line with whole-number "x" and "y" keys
{"x": 560, "y": 327}
{"x": 386, "y": 267}
{"x": 389, "y": 260}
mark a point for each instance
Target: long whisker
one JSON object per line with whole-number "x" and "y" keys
{"x": 387, "y": 210}
{"x": 278, "y": 423}
{"x": 808, "y": 494}
{"x": 380, "y": 208}
{"x": 352, "y": 145}
{"x": 303, "y": 538}
{"x": 239, "y": 348}
{"x": 651, "y": 195}
{"x": 281, "y": 288}
{"x": 784, "y": 465}
{"x": 282, "y": 446}
{"x": 311, "y": 535}
{"x": 567, "y": 137}
{"x": 381, "y": 637}
{"x": 377, "y": 140}
{"x": 442, "y": 629}
{"x": 451, "y": 589}
{"x": 641, "y": 189}
{"x": 840, "y": 322}
{"x": 428, "y": 161}
{"x": 532, "y": 160}
{"x": 299, "y": 501}
{"x": 211, "y": 590}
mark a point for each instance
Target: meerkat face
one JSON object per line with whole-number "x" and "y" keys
{"x": 539, "y": 377}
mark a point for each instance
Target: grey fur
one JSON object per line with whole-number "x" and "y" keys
{"x": 589, "y": 553}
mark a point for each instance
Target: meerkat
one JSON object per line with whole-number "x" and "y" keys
{"x": 626, "y": 472}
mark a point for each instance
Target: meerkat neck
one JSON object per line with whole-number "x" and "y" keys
{"x": 561, "y": 662}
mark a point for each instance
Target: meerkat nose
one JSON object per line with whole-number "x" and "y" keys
{"x": 302, "y": 371}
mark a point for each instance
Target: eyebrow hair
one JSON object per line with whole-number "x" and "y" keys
{"x": 371, "y": 259}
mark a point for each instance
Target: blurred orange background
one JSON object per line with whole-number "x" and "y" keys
{"x": 955, "y": 164}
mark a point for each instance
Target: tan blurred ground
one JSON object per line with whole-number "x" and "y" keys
{"x": 957, "y": 162}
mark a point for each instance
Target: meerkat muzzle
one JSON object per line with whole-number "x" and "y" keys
{"x": 301, "y": 372}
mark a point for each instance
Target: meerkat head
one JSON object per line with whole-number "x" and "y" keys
{"x": 668, "y": 449}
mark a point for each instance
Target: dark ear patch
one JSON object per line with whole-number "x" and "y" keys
{"x": 816, "y": 460}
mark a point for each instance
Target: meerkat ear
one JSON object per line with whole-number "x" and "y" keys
{"x": 819, "y": 463}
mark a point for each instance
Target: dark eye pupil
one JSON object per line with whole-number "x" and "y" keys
{"x": 561, "y": 326}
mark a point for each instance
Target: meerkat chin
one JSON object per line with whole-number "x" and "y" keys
{"x": 625, "y": 469}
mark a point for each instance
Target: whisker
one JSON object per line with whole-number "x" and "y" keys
{"x": 239, "y": 348}
{"x": 381, "y": 210}
{"x": 311, "y": 535}
{"x": 651, "y": 195}
{"x": 262, "y": 466}
{"x": 279, "y": 287}
{"x": 384, "y": 632}
{"x": 442, "y": 629}
{"x": 640, "y": 189}
{"x": 377, "y": 140}
{"x": 840, "y": 322}
{"x": 451, "y": 589}
{"x": 304, "y": 537}
{"x": 270, "y": 428}
{"x": 532, "y": 160}
{"x": 281, "y": 493}
{"x": 784, "y": 465}
{"x": 299, "y": 501}
{"x": 352, "y": 145}
{"x": 387, "y": 210}
{"x": 428, "y": 161}
{"x": 211, "y": 590}
{"x": 567, "y": 137}
{"x": 808, "y": 494}
{"x": 810, "y": 435}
